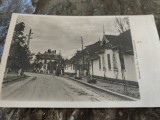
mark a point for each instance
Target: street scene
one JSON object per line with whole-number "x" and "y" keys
{"x": 49, "y": 87}
{"x": 71, "y": 59}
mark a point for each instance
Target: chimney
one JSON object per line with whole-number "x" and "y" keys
{"x": 49, "y": 50}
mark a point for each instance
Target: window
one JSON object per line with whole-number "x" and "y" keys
{"x": 99, "y": 62}
{"x": 109, "y": 61}
{"x": 103, "y": 61}
{"x": 122, "y": 60}
{"x": 114, "y": 62}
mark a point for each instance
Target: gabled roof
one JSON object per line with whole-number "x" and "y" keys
{"x": 75, "y": 57}
{"x": 93, "y": 48}
{"x": 90, "y": 50}
{"x": 123, "y": 40}
{"x": 113, "y": 39}
{"x": 114, "y": 42}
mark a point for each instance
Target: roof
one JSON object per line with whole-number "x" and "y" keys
{"x": 115, "y": 42}
{"x": 47, "y": 56}
{"x": 123, "y": 40}
{"x": 93, "y": 48}
{"x": 90, "y": 51}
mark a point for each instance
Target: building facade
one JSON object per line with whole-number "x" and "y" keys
{"x": 115, "y": 60}
{"x": 112, "y": 58}
{"x": 49, "y": 62}
{"x": 79, "y": 64}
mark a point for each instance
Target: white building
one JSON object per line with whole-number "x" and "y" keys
{"x": 69, "y": 68}
{"x": 115, "y": 59}
{"x": 79, "y": 64}
{"x": 49, "y": 62}
{"x": 110, "y": 59}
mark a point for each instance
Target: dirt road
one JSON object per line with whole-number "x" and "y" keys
{"x": 52, "y": 88}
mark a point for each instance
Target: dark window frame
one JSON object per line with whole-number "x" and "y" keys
{"x": 109, "y": 61}
{"x": 100, "y": 63}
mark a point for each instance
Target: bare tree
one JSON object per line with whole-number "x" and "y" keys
{"x": 122, "y": 24}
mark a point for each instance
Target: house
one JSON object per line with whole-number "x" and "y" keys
{"x": 69, "y": 67}
{"x": 49, "y": 62}
{"x": 111, "y": 59}
{"x": 115, "y": 59}
{"x": 79, "y": 65}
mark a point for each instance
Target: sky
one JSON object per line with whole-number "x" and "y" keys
{"x": 64, "y": 33}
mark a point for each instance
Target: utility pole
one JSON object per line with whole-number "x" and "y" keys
{"x": 103, "y": 30}
{"x": 29, "y": 37}
{"x": 82, "y": 53}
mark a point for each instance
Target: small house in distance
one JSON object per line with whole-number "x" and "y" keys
{"x": 79, "y": 64}
{"x": 69, "y": 67}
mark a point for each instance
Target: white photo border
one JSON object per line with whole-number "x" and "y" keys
{"x": 145, "y": 38}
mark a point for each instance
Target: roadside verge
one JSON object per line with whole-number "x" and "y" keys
{"x": 105, "y": 90}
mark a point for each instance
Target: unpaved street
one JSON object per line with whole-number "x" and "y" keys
{"x": 52, "y": 88}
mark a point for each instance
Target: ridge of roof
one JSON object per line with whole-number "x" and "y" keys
{"x": 123, "y": 39}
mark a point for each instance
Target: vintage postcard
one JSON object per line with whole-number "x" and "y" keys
{"x": 80, "y": 61}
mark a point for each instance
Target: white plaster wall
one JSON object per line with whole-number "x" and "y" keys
{"x": 109, "y": 72}
{"x": 118, "y": 64}
{"x": 96, "y": 70}
{"x": 130, "y": 72}
{"x": 69, "y": 69}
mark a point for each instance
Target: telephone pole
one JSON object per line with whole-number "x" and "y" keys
{"x": 82, "y": 52}
{"x": 29, "y": 37}
{"x": 103, "y": 30}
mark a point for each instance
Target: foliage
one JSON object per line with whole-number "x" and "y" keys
{"x": 20, "y": 55}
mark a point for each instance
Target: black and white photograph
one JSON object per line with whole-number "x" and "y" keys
{"x": 71, "y": 59}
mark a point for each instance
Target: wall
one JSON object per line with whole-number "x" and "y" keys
{"x": 130, "y": 73}
{"x": 130, "y": 70}
{"x": 119, "y": 73}
{"x": 69, "y": 68}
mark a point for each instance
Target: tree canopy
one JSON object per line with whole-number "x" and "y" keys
{"x": 19, "y": 55}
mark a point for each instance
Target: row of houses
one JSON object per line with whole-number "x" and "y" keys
{"x": 111, "y": 58}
